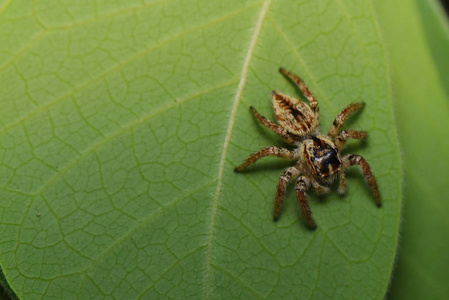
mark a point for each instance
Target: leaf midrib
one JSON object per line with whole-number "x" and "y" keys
{"x": 213, "y": 212}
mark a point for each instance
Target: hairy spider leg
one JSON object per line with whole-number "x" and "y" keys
{"x": 281, "y": 131}
{"x": 284, "y": 179}
{"x": 353, "y": 159}
{"x": 340, "y": 141}
{"x": 320, "y": 189}
{"x": 304, "y": 89}
{"x": 301, "y": 186}
{"x": 342, "y": 185}
{"x": 342, "y": 116}
{"x": 269, "y": 151}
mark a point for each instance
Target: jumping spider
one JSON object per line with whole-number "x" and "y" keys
{"x": 318, "y": 158}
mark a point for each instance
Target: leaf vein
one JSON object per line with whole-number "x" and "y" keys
{"x": 214, "y": 209}
{"x": 95, "y": 261}
{"x": 121, "y": 131}
{"x": 238, "y": 279}
{"x": 119, "y": 67}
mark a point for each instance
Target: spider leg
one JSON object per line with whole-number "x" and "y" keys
{"x": 285, "y": 177}
{"x": 342, "y": 186}
{"x": 320, "y": 189}
{"x": 282, "y": 132}
{"x": 341, "y": 118}
{"x": 313, "y": 103}
{"x": 269, "y": 151}
{"x": 301, "y": 186}
{"x": 346, "y": 134}
{"x": 352, "y": 159}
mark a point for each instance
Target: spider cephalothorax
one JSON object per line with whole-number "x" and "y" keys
{"x": 321, "y": 155}
{"x": 318, "y": 156}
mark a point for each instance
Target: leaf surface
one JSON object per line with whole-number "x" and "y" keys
{"x": 418, "y": 48}
{"x": 120, "y": 127}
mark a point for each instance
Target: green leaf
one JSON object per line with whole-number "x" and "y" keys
{"x": 120, "y": 127}
{"x": 418, "y": 47}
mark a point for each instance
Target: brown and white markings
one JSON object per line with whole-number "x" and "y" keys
{"x": 317, "y": 156}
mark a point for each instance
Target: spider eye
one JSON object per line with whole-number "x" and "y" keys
{"x": 325, "y": 158}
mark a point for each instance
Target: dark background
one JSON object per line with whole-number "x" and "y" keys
{"x": 446, "y": 5}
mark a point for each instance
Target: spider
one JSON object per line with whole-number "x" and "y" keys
{"x": 318, "y": 158}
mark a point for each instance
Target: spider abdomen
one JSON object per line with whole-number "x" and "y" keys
{"x": 295, "y": 116}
